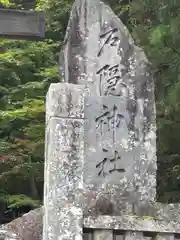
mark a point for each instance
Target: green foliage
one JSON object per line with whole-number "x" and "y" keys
{"x": 160, "y": 23}
{"x": 26, "y": 70}
{"x": 18, "y": 201}
{"x": 5, "y": 3}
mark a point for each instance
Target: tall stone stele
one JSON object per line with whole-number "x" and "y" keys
{"x": 100, "y": 125}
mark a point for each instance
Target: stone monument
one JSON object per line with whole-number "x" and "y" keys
{"x": 100, "y": 125}
{"x": 119, "y": 108}
{"x": 100, "y": 158}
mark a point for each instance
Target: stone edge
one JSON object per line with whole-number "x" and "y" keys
{"x": 131, "y": 223}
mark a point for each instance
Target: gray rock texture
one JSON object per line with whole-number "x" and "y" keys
{"x": 63, "y": 213}
{"x": 160, "y": 218}
{"x": 27, "y": 227}
{"x": 120, "y": 139}
{"x": 26, "y": 25}
{"x": 100, "y": 154}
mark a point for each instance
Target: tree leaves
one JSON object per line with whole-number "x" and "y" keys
{"x": 5, "y": 3}
{"x": 26, "y": 70}
{"x": 161, "y": 41}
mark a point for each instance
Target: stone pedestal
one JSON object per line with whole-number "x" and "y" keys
{"x": 100, "y": 125}
{"x": 64, "y": 156}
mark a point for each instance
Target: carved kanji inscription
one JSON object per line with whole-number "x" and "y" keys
{"x": 109, "y": 164}
{"x": 110, "y": 118}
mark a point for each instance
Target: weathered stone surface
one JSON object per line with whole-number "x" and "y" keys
{"x": 133, "y": 235}
{"x": 66, "y": 195}
{"x": 60, "y": 102}
{"x": 21, "y": 24}
{"x": 27, "y": 227}
{"x": 7, "y": 235}
{"x": 100, "y": 154}
{"x": 64, "y": 163}
{"x": 159, "y": 211}
{"x": 119, "y": 110}
{"x": 162, "y": 218}
{"x": 100, "y": 125}
{"x": 103, "y": 235}
{"x": 132, "y": 223}
{"x": 167, "y": 236}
